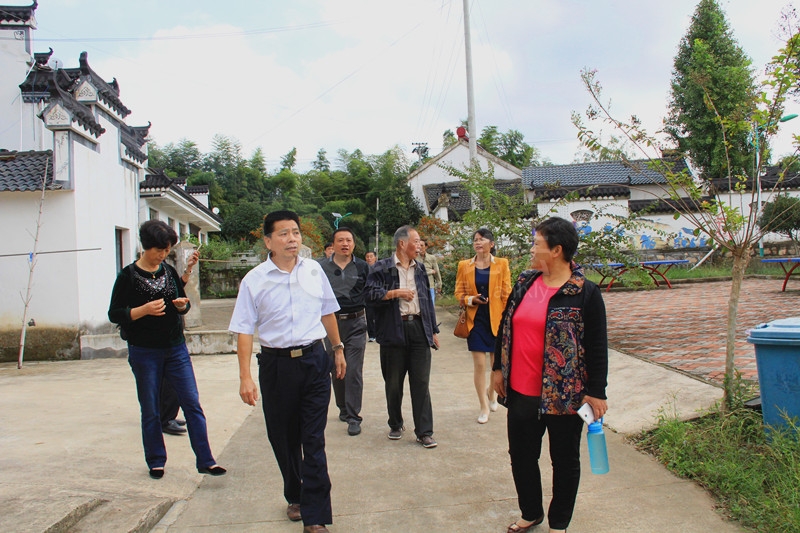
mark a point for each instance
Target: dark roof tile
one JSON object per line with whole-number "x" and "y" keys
{"x": 598, "y": 173}
{"x": 23, "y": 171}
{"x": 18, "y": 14}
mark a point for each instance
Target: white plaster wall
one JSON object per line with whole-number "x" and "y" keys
{"x": 14, "y": 57}
{"x": 459, "y": 159}
{"x": 107, "y": 200}
{"x": 54, "y": 293}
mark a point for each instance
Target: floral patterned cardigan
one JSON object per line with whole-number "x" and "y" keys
{"x": 576, "y": 344}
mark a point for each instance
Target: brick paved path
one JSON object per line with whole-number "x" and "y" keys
{"x": 684, "y": 328}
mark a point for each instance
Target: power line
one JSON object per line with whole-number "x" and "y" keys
{"x": 242, "y": 33}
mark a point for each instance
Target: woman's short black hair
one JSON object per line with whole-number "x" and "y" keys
{"x": 558, "y": 231}
{"x": 487, "y": 234}
{"x": 157, "y": 234}
{"x": 277, "y": 216}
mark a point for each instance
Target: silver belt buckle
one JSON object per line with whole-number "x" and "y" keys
{"x": 297, "y": 353}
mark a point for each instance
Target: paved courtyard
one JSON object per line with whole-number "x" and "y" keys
{"x": 684, "y": 328}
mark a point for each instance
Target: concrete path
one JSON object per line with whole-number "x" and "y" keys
{"x": 72, "y": 457}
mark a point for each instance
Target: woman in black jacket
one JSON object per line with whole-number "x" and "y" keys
{"x": 551, "y": 356}
{"x": 147, "y": 301}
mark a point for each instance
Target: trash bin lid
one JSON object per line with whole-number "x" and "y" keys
{"x": 786, "y": 329}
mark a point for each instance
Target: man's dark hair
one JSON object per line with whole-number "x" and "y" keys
{"x": 340, "y": 230}
{"x": 327, "y": 245}
{"x": 157, "y": 234}
{"x": 277, "y": 216}
{"x": 557, "y": 231}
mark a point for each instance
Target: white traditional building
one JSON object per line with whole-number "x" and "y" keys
{"x": 432, "y": 179}
{"x": 66, "y": 150}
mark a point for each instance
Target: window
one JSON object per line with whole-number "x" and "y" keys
{"x": 581, "y": 215}
{"x": 120, "y": 239}
{"x": 153, "y": 214}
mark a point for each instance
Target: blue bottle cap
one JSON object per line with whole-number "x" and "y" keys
{"x": 596, "y": 426}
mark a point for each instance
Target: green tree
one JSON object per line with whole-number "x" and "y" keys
{"x": 180, "y": 160}
{"x": 242, "y": 220}
{"x": 448, "y": 139}
{"x": 321, "y": 164}
{"x": 289, "y": 160}
{"x": 721, "y": 218}
{"x": 510, "y": 147}
{"x": 782, "y": 215}
{"x": 711, "y": 67}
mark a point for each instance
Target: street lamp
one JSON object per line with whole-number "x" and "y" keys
{"x": 338, "y": 217}
{"x": 784, "y": 118}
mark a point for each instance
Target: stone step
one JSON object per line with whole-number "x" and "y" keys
{"x": 129, "y": 514}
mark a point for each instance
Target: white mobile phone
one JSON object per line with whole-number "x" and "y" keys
{"x": 587, "y": 413}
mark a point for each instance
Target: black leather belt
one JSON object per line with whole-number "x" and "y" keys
{"x": 294, "y": 351}
{"x": 349, "y": 316}
{"x": 407, "y": 318}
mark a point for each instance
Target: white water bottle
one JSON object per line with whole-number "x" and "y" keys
{"x": 598, "y": 453}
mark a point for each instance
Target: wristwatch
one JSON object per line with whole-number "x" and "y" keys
{"x": 337, "y": 346}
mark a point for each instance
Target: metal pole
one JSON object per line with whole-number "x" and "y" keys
{"x": 473, "y": 128}
{"x": 377, "y": 233}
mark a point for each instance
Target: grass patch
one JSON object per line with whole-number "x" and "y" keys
{"x": 755, "y": 478}
{"x": 720, "y": 269}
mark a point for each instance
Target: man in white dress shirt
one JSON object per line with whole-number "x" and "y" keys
{"x": 289, "y": 302}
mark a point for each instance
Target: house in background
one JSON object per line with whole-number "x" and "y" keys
{"x": 65, "y": 147}
{"x": 428, "y": 181}
{"x": 608, "y": 189}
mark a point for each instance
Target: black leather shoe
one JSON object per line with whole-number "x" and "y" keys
{"x": 180, "y": 421}
{"x": 215, "y": 470}
{"x": 173, "y": 428}
{"x": 156, "y": 473}
{"x": 353, "y": 428}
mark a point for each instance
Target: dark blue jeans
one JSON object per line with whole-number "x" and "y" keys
{"x": 149, "y": 366}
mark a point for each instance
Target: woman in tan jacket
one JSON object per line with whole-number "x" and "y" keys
{"x": 483, "y": 285}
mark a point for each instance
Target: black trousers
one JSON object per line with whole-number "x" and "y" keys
{"x": 169, "y": 403}
{"x": 414, "y": 359}
{"x": 295, "y": 397}
{"x": 526, "y": 428}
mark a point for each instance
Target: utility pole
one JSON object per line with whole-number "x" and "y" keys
{"x": 377, "y": 232}
{"x": 473, "y": 128}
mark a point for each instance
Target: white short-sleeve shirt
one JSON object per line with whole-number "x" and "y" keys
{"x": 284, "y": 308}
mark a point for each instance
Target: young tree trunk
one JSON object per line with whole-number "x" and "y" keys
{"x": 741, "y": 255}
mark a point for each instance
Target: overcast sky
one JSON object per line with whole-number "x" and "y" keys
{"x": 371, "y": 74}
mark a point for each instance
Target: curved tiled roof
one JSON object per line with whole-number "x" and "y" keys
{"x": 108, "y": 92}
{"x": 18, "y": 14}
{"x": 197, "y": 189}
{"x": 81, "y": 114}
{"x": 635, "y": 172}
{"x": 772, "y": 179}
{"x": 36, "y": 85}
{"x": 662, "y": 205}
{"x": 460, "y": 201}
{"x": 157, "y": 181}
{"x": 133, "y": 138}
{"x": 23, "y": 171}
{"x": 590, "y": 191}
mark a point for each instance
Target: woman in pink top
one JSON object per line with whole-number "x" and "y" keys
{"x": 552, "y": 357}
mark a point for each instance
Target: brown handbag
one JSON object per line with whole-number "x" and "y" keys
{"x": 462, "y": 330}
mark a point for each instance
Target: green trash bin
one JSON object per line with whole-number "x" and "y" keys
{"x": 777, "y": 346}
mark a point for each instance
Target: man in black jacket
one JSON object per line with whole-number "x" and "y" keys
{"x": 398, "y": 289}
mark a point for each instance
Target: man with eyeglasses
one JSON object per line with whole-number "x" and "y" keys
{"x": 289, "y": 301}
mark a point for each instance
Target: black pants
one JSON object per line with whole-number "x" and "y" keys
{"x": 414, "y": 359}
{"x": 295, "y": 397}
{"x": 169, "y": 403}
{"x": 526, "y": 428}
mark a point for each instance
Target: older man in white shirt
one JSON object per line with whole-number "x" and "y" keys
{"x": 289, "y": 302}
